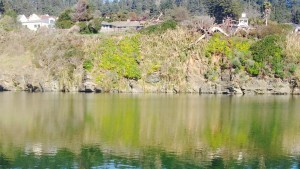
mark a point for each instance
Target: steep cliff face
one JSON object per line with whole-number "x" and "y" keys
{"x": 62, "y": 62}
{"x": 39, "y": 80}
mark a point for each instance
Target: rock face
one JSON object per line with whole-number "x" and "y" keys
{"x": 195, "y": 83}
{"x": 153, "y": 78}
{"x": 273, "y": 86}
{"x": 135, "y": 87}
{"x": 88, "y": 86}
{"x": 26, "y": 83}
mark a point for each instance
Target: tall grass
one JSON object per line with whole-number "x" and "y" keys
{"x": 292, "y": 49}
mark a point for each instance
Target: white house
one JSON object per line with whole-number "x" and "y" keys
{"x": 243, "y": 21}
{"x": 22, "y": 18}
{"x": 34, "y": 22}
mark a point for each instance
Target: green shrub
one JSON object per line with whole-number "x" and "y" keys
{"x": 266, "y": 49}
{"x": 292, "y": 68}
{"x": 272, "y": 29}
{"x": 224, "y": 46}
{"x": 278, "y": 70}
{"x": 253, "y": 67}
{"x": 11, "y": 13}
{"x": 218, "y": 45}
{"x": 96, "y": 24}
{"x": 160, "y": 28}
{"x": 88, "y": 65}
{"x": 64, "y": 20}
{"x": 236, "y": 63}
{"x": 91, "y": 27}
{"x": 211, "y": 75}
{"x": 8, "y": 23}
{"x": 121, "y": 57}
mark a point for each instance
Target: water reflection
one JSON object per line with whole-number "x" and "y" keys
{"x": 53, "y": 130}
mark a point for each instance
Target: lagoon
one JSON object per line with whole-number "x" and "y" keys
{"x": 74, "y": 130}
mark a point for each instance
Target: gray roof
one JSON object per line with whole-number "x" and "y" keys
{"x": 123, "y": 24}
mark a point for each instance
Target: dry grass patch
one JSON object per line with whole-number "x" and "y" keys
{"x": 292, "y": 49}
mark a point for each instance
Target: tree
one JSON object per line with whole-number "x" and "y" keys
{"x": 280, "y": 12}
{"x": 223, "y": 8}
{"x": 115, "y": 8}
{"x": 267, "y": 7}
{"x": 64, "y": 20}
{"x": 195, "y": 7}
{"x": 296, "y": 17}
{"x": 153, "y": 9}
{"x": 2, "y": 9}
{"x": 166, "y": 4}
{"x": 83, "y": 11}
{"x": 178, "y": 14}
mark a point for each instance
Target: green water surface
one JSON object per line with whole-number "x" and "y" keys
{"x": 56, "y": 130}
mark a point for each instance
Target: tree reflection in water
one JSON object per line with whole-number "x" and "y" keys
{"x": 148, "y": 131}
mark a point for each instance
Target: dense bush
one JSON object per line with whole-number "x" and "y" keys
{"x": 87, "y": 28}
{"x": 236, "y": 63}
{"x": 64, "y": 20}
{"x": 218, "y": 45}
{"x": 253, "y": 67}
{"x": 272, "y": 29}
{"x": 88, "y": 65}
{"x": 8, "y": 23}
{"x": 160, "y": 28}
{"x": 266, "y": 49}
{"x": 120, "y": 57}
{"x": 224, "y": 46}
{"x": 269, "y": 51}
{"x": 211, "y": 74}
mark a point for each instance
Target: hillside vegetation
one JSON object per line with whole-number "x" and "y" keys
{"x": 161, "y": 58}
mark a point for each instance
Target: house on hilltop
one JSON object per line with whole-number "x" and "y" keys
{"x": 243, "y": 21}
{"x": 34, "y": 22}
{"x": 120, "y": 26}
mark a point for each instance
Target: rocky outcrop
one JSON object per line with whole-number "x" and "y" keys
{"x": 135, "y": 87}
{"x": 27, "y": 83}
{"x": 153, "y": 78}
{"x": 88, "y": 85}
{"x": 272, "y": 86}
{"x": 195, "y": 83}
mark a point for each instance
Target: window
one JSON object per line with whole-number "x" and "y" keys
{"x": 37, "y": 26}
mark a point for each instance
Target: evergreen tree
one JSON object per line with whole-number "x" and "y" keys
{"x": 153, "y": 10}
{"x": 166, "y": 4}
{"x": 267, "y": 8}
{"x": 105, "y": 8}
{"x": 65, "y": 20}
{"x": 296, "y": 17}
{"x": 115, "y": 8}
{"x": 223, "y": 8}
{"x": 280, "y": 11}
{"x": 195, "y": 7}
{"x": 83, "y": 11}
{"x": 2, "y": 9}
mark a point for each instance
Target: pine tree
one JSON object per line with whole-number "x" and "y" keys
{"x": 83, "y": 11}
{"x": 166, "y": 4}
{"x": 281, "y": 13}
{"x": 267, "y": 7}
{"x": 223, "y": 8}
{"x": 195, "y": 7}
{"x": 2, "y": 9}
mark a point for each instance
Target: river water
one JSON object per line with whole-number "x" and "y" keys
{"x": 56, "y": 130}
